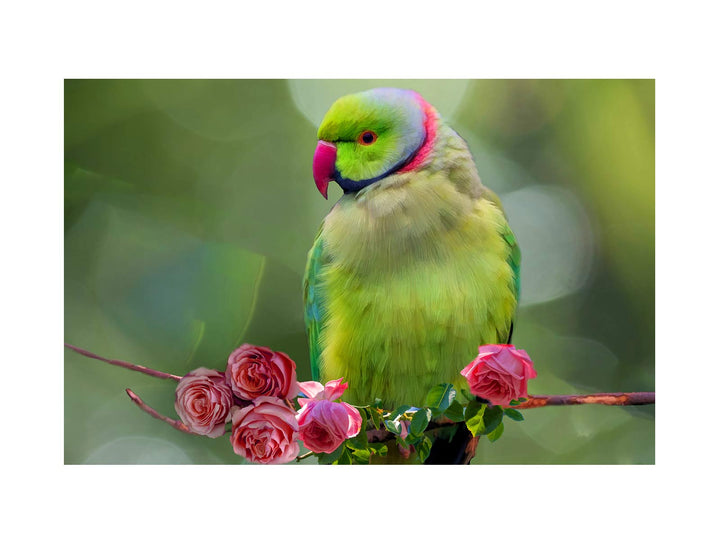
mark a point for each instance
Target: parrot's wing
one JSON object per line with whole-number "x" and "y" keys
{"x": 314, "y": 304}
{"x": 514, "y": 262}
{"x": 514, "y": 256}
{"x": 513, "y": 259}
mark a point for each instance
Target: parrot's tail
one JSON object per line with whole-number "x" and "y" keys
{"x": 457, "y": 449}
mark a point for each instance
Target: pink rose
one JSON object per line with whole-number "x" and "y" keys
{"x": 323, "y": 424}
{"x": 316, "y": 391}
{"x": 258, "y": 371}
{"x": 499, "y": 373}
{"x": 265, "y": 432}
{"x": 203, "y": 400}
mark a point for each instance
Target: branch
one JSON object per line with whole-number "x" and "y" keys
{"x": 300, "y": 458}
{"x": 126, "y": 365}
{"x": 177, "y": 424}
{"x": 620, "y": 398}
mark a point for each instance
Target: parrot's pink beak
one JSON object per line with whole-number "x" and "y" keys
{"x": 324, "y": 165}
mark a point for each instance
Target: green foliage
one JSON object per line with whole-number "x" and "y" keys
{"x": 392, "y": 423}
{"x": 474, "y": 420}
{"x": 399, "y": 411}
{"x": 483, "y": 419}
{"x": 420, "y": 421}
{"x": 493, "y": 417}
{"x": 514, "y": 414}
{"x": 376, "y": 417}
{"x": 496, "y": 433}
{"x": 360, "y": 441}
{"x": 440, "y": 397}
{"x": 361, "y": 457}
{"x": 455, "y": 412}
{"x": 345, "y": 458}
{"x": 379, "y": 449}
{"x": 393, "y": 426}
{"x": 423, "y": 449}
{"x": 333, "y": 457}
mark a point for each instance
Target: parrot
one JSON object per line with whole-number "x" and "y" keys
{"x": 415, "y": 265}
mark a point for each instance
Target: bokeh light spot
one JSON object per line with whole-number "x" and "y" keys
{"x": 132, "y": 450}
{"x": 313, "y": 97}
{"x": 556, "y": 241}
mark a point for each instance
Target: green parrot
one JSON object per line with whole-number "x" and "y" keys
{"x": 415, "y": 266}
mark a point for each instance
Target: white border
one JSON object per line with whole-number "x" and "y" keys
{"x": 44, "y": 42}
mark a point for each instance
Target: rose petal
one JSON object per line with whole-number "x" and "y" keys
{"x": 310, "y": 388}
{"x": 203, "y": 401}
{"x": 499, "y": 373}
{"x": 265, "y": 431}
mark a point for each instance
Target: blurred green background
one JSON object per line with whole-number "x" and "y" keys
{"x": 190, "y": 208}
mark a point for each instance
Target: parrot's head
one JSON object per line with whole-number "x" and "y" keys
{"x": 368, "y": 136}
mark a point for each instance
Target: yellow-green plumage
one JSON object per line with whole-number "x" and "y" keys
{"x": 408, "y": 276}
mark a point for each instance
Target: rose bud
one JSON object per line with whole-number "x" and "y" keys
{"x": 258, "y": 371}
{"x": 203, "y": 401}
{"x": 265, "y": 432}
{"x": 323, "y": 424}
{"x": 499, "y": 373}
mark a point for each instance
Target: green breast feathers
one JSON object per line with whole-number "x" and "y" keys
{"x": 408, "y": 275}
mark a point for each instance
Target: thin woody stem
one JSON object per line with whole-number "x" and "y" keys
{"x": 303, "y": 456}
{"x": 177, "y": 424}
{"x": 619, "y": 398}
{"x": 126, "y": 365}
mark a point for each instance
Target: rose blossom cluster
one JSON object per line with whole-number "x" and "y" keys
{"x": 254, "y": 392}
{"x": 499, "y": 374}
{"x": 324, "y": 423}
{"x": 256, "y": 388}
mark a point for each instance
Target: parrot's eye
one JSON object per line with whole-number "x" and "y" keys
{"x": 367, "y": 138}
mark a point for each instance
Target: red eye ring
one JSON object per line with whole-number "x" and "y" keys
{"x": 366, "y": 138}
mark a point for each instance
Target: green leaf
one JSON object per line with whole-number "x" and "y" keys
{"x": 376, "y": 418}
{"x": 362, "y": 456}
{"x": 399, "y": 411}
{"x": 474, "y": 420}
{"x": 467, "y": 394}
{"x": 420, "y": 421}
{"x": 359, "y": 442}
{"x": 393, "y": 426}
{"x": 493, "y": 417}
{"x": 440, "y": 397}
{"x": 514, "y": 415}
{"x": 413, "y": 439}
{"x": 496, "y": 433}
{"x": 380, "y": 449}
{"x": 423, "y": 449}
{"x": 345, "y": 457}
{"x": 328, "y": 459}
{"x": 455, "y": 411}
{"x": 473, "y": 408}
